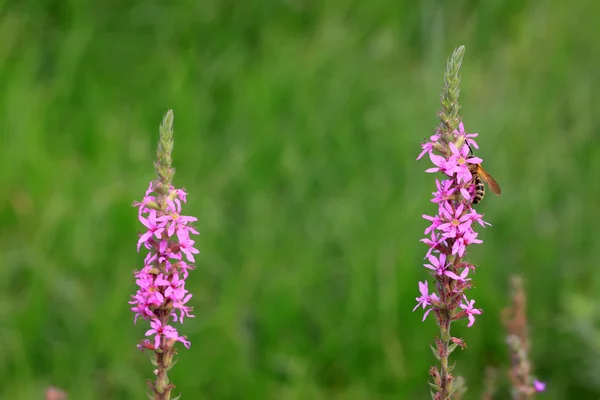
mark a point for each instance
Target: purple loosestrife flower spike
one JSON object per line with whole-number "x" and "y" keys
{"x": 524, "y": 384}
{"x": 450, "y": 232}
{"x": 161, "y": 296}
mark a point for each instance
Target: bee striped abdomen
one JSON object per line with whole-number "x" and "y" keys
{"x": 479, "y": 190}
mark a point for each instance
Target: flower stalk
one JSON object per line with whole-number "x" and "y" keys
{"x": 161, "y": 296}
{"x": 451, "y": 231}
{"x": 524, "y": 385}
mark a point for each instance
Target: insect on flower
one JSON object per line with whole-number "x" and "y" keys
{"x": 480, "y": 176}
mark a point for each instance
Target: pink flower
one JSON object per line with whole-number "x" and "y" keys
{"x": 478, "y": 218}
{"x": 455, "y": 222}
{"x": 470, "y": 311}
{"x": 182, "y": 195}
{"x": 179, "y": 304}
{"x": 154, "y": 228}
{"x": 461, "y": 278}
{"x": 441, "y": 165}
{"x": 468, "y": 136}
{"x": 437, "y": 265}
{"x": 425, "y": 299}
{"x": 159, "y": 330}
{"x": 460, "y": 244}
{"x": 435, "y": 222}
{"x": 444, "y": 192}
{"x": 183, "y": 266}
{"x": 142, "y": 308}
{"x": 175, "y": 222}
{"x": 428, "y": 146}
{"x": 143, "y": 205}
{"x": 435, "y": 241}
{"x": 175, "y": 289}
{"x": 458, "y": 163}
{"x": 186, "y": 245}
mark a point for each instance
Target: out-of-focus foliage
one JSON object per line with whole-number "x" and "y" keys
{"x": 297, "y": 125}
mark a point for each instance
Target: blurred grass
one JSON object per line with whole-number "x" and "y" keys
{"x": 297, "y": 127}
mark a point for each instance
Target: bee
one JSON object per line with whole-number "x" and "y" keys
{"x": 480, "y": 176}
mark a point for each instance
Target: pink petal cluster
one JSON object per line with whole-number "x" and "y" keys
{"x": 451, "y": 229}
{"x": 161, "y": 293}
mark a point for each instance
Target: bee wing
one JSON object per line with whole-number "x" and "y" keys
{"x": 491, "y": 182}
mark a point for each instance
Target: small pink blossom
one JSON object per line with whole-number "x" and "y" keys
{"x": 454, "y": 222}
{"x": 458, "y": 163}
{"x": 154, "y": 228}
{"x": 435, "y": 241}
{"x": 460, "y": 278}
{"x": 186, "y": 245}
{"x": 175, "y": 288}
{"x": 427, "y": 147}
{"x": 425, "y": 299}
{"x": 478, "y": 218}
{"x": 444, "y": 192}
{"x": 460, "y": 244}
{"x": 435, "y": 222}
{"x": 470, "y": 311}
{"x": 441, "y": 165}
{"x": 159, "y": 331}
{"x": 438, "y": 265}
{"x": 468, "y": 136}
{"x": 179, "y": 304}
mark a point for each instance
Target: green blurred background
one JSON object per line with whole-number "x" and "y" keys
{"x": 297, "y": 125}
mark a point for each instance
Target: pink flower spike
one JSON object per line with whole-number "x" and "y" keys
{"x": 165, "y": 238}
{"x": 450, "y": 230}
